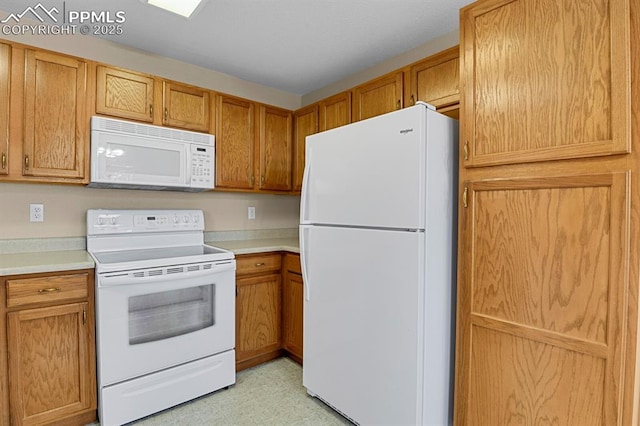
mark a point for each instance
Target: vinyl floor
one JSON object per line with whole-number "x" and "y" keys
{"x": 268, "y": 394}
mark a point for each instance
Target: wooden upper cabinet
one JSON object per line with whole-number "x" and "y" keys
{"x": 542, "y": 300}
{"x": 276, "y": 148}
{"x": 335, "y": 111}
{"x": 435, "y": 80}
{"x": 305, "y": 124}
{"x": 235, "y": 143}
{"x": 378, "y": 97}
{"x": 5, "y": 84}
{"x": 544, "y": 80}
{"x": 124, "y": 94}
{"x": 186, "y": 107}
{"x": 55, "y": 123}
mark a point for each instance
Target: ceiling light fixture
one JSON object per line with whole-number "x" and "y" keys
{"x": 184, "y": 8}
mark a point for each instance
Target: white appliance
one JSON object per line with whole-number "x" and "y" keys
{"x": 165, "y": 311}
{"x": 140, "y": 156}
{"x": 377, "y": 233}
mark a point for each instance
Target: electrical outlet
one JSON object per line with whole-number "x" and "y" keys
{"x": 251, "y": 213}
{"x": 36, "y": 212}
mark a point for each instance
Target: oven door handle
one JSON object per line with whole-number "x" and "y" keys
{"x": 130, "y": 277}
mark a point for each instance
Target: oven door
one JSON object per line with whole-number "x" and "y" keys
{"x": 148, "y": 320}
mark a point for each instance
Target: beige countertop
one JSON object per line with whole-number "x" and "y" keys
{"x": 44, "y": 261}
{"x": 258, "y": 245}
{"x": 68, "y": 260}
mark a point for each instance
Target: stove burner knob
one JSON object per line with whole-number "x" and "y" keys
{"x": 100, "y": 221}
{"x": 176, "y": 219}
{"x": 114, "y": 220}
{"x": 185, "y": 219}
{"x": 196, "y": 219}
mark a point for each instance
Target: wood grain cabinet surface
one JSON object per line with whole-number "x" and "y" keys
{"x": 50, "y": 368}
{"x": 275, "y": 148}
{"x": 547, "y": 312}
{"x": 55, "y": 126}
{"x": 124, "y": 94}
{"x": 292, "y": 307}
{"x": 335, "y": 111}
{"x": 235, "y": 143}
{"x": 544, "y": 81}
{"x": 5, "y": 85}
{"x": 186, "y": 107}
{"x": 305, "y": 123}
{"x": 435, "y": 80}
{"x": 258, "y": 309}
{"x": 379, "y": 96}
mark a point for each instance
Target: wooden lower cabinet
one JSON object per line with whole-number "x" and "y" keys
{"x": 258, "y": 309}
{"x": 50, "y": 329}
{"x": 292, "y": 307}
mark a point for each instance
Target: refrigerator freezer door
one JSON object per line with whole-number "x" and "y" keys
{"x": 363, "y": 337}
{"x": 370, "y": 173}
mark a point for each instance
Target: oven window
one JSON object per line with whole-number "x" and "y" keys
{"x": 159, "y": 316}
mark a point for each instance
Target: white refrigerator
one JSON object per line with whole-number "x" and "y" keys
{"x": 377, "y": 241}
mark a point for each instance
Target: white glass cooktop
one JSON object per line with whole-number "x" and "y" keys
{"x": 123, "y": 256}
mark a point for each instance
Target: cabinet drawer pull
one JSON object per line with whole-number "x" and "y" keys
{"x": 4, "y": 160}
{"x": 49, "y": 290}
{"x": 260, "y": 264}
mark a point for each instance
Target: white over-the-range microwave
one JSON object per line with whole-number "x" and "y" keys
{"x": 141, "y": 156}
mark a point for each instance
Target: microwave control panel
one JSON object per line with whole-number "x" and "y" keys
{"x": 202, "y": 166}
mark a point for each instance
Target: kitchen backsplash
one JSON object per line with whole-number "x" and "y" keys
{"x": 65, "y": 209}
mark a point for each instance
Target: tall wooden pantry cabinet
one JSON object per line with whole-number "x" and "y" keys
{"x": 549, "y": 218}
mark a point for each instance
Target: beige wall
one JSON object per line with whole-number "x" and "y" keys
{"x": 65, "y": 208}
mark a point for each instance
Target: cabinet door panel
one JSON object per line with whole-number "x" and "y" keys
{"x": 335, "y": 111}
{"x": 186, "y": 107}
{"x": 5, "y": 81}
{"x": 436, "y": 79}
{"x": 234, "y": 143}
{"x": 378, "y": 97}
{"x": 258, "y": 316}
{"x": 537, "y": 329}
{"x": 55, "y": 130}
{"x": 545, "y": 80}
{"x": 275, "y": 149}
{"x": 306, "y": 123}
{"x": 292, "y": 313}
{"x": 124, "y": 94}
{"x": 48, "y": 377}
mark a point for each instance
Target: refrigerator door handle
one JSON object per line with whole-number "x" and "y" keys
{"x": 304, "y": 257}
{"x": 306, "y": 178}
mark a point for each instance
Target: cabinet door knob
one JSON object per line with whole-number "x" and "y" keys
{"x": 150, "y": 110}
{"x": 398, "y": 104}
{"x": 259, "y": 264}
{"x": 413, "y": 100}
{"x": 465, "y": 150}
{"x": 26, "y": 162}
{"x": 465, "y": 194}
{"x": 166, "y": 114}
{"x": 4, "y": 160}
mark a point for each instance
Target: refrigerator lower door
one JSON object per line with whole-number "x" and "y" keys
{"x": 363, "y": 316}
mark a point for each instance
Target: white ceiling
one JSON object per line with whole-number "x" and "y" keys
{"x": 293, "y": 45}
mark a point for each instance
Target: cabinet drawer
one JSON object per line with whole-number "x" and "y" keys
{"x": 57, "y": 288}
{"x": 258, "y": 264}
{"x": 292, "y": 263}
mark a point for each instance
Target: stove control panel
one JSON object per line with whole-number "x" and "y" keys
{"x": 101, "y": 222}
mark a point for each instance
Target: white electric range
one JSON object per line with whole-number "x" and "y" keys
{"x": 165, "y": 311}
